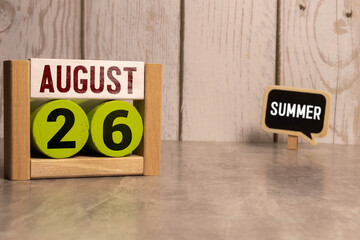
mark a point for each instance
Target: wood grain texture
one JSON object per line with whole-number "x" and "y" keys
{"x": 136, "y": 30}
{"x": 320, "y": 50}
{"x": 347, "y": 118}
{"x": 83, "y": 166}
{"x": 229, "y": 59}
{"x": 38, "y": 28}
{"x": 17, "y": 120}
{"x": 150, "y": 111}
{"x": 292, "y": 143}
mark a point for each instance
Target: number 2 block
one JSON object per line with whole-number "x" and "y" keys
{"x": 54, "y": 131}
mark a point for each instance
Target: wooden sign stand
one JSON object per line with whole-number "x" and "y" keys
{"x": 292, "y": 142}
{"x": 304, "y": 113}
{"x": 18, "y": 163}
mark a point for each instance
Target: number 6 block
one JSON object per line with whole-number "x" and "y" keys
{"x": 91, "y": 79}
{"x": 116, "y": 128}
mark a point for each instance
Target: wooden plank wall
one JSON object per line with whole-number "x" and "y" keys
{"x": 229, "y": 58}
{"x": 139, "y": 30}
{"x": 47, "y": 29}
{"x": 217, "y": 56}
{"x": 319, "y": 48}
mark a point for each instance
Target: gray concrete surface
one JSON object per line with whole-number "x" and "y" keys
{"x": 206, "y": 191}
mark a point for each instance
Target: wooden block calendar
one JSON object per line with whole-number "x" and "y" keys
{"x": 79, "y": 81}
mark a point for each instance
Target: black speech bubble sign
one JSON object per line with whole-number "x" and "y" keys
{"x": 294, "y": 111}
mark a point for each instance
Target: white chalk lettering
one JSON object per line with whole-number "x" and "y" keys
{"x": 273, "y": 110}
{"x": 295, "y": 110}
{"x": 300, "y": 111}
{"x": 309, "y": 111}
{"x": 317, "y": 112}
{"x": 282, "y": 109}
{"x": 291, "y": 110}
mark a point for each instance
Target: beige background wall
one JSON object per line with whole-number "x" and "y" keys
{"x": 217, "y": 56}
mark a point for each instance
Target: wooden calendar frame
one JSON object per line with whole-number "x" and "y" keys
{"x": 18, "y": 163}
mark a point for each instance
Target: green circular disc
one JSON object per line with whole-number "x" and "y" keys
{"x": 116, "y": 128}
{"x": 59, "y": 128}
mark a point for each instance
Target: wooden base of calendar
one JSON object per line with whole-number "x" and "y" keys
{"x": 18, "y": 165}
{"x": 82, "y": 166}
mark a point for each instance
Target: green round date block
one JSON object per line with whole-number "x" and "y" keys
{"x": 116, "y": 128}
{"x": 59, "y": 128}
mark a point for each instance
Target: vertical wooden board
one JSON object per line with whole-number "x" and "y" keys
{"x": 347, "y": 28}
{"x": 292, "y": 143}
{"x": 38, "y": 28}
{"x": 229, "y": 59}
{"x": 308, "y": 50}
{"x": 17, "y": 120}
{"x": 150, "y": 110}
{"x": 320, "y": 50}
{"x": 136, "y": 30}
